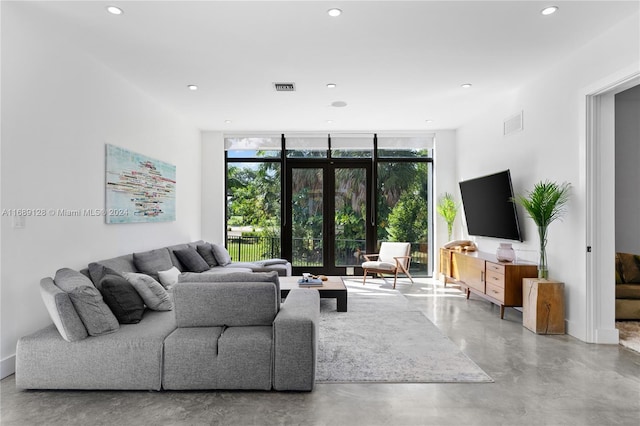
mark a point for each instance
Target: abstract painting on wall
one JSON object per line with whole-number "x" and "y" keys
{"x": 138, "y": 188}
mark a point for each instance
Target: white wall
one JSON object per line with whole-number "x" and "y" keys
{"x": 213, "y": 196}
{"x": 551, "y": 146}
{"x": 59, "y": 109}
{"x": 627, "y": 158}
{"x": 445, "y": 180}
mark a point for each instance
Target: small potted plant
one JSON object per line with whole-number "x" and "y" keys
{"x": 448, "y": 209}
{"x": 544, "y": 204}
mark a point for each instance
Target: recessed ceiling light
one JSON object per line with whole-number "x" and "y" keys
{"x": 549, "y": 10}
{"x": 114, "y": 10}
{"x": 192, "y": 87}
{"x": 331, "y": 86}
{"x": 429, "y": 121}
{"x": 339, "y": 104}
{"x": 466, "y": 85}
{"x": 334, "y": 12}
{"x": 228, "y": 121}
{"x": 329, "y": 121}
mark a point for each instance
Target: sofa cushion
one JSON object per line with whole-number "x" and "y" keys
{"x": 269, "y": 262}
{"x": 191, "y": 260}
{"x": 98, "y": 270}
{"x": 230, "y": 304}
{"x": 234, "y": 277}
{"x": 202, "y": 276}
{"x": 151, "y": 291}
{"x": 226, "y": 358}
{"x": 214, "y": 276}
{"x": 122, "y": 298}
{"x": 618, "y": 269}
{"x": 222, "y": 255}
{"x": 169, "y": 278}
{"x": 283, "y": 270}
{"x": 120, "y": 264}
{"x": 630, "y": 267}
{"x": 628, "y": 291}
{"x": 62, "y": 312}
{"x": 206, "y": 251}
{"x": 132, "y": 358}
{"x": 627, "y": 309}
{"x": 87, "y": 300}
{"x": 152, "y": 261}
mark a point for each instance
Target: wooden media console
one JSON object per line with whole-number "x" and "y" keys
{"x": 484, "y": 275}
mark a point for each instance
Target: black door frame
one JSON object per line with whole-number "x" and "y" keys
{"x": 328, "y": 166}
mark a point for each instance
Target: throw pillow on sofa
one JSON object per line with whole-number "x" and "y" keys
{"x": 122, "y": 298}
{"x": 151, "y": 291}
{"x": 87, "y": 300}
{"x": 169, "y": 278}
{"x": 206, "y": 251}
{"x": 62, "y": 312}
{"x": 97, "y": 271}
{"x": 222, "y": 255}
{"x": 630, "y": 267}
{"x": 191, "y": 260}
{"x": 150, "y": 262}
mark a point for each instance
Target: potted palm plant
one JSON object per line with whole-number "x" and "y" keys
{"x": 544, "y": 204}
{"x": 448, "y": 209}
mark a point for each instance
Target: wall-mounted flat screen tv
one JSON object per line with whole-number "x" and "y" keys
{"x": 488, "y": 208}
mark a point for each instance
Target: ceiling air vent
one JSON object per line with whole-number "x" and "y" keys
{"x": 284, "y": 87}
{"x": 513, "y": 124}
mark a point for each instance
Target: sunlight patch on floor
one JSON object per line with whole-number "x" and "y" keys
{"x": 433, "y": 295}
{"x": 422, "y": 288}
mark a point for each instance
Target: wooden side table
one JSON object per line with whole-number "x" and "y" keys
{"x": 543, "y": 306}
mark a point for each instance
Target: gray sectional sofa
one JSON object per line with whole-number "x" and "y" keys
{"x": 166, "y": 258}
{"x": 225, "y": 331}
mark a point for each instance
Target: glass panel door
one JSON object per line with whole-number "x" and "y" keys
{"x": 350, "y": 215}
{"x": 403, "y": 212}
{"x": 307, "y": 216}
{"x": 328, "y": 222}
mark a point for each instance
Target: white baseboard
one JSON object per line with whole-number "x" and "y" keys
{"x": 603, "y": 336}
{"x": 575, "y": 330}
{"x": 7, "y": 366}
{"x": 607, "y": 336}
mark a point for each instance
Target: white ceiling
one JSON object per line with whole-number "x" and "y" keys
{"x": 396, "y": 63}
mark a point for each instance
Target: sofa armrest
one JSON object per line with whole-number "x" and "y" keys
{"x": 231, "y": 304}
{"x": 295, "y": 332}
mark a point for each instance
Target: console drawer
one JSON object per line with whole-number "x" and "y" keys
{"x": 495, "y": 267}
{"x": 495, "y": 292}
{"x": 495, "y": 279}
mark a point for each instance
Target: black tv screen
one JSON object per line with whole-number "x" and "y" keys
{"x": 488, "y": 207}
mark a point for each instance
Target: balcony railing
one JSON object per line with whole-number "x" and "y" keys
{"x": 308, "y": 252}
{"x": 252, "y": 248}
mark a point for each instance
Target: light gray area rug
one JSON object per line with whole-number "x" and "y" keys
{"x": 629, "y": 334}
{"x": 380, "y": 339}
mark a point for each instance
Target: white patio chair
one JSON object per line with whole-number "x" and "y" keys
{"x": 393, "y": 258}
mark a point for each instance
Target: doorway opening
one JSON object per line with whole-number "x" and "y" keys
{"x": 600, "y": 213}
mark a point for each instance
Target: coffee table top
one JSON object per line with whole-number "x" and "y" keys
{"x": 332, "y": 283}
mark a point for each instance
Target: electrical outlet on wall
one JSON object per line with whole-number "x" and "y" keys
{"x": 19, "y": 222}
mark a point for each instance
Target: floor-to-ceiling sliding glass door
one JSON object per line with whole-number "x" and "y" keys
{"x": 328, "y": 216}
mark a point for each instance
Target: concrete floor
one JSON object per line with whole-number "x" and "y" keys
{"x": 552, "y": 380}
